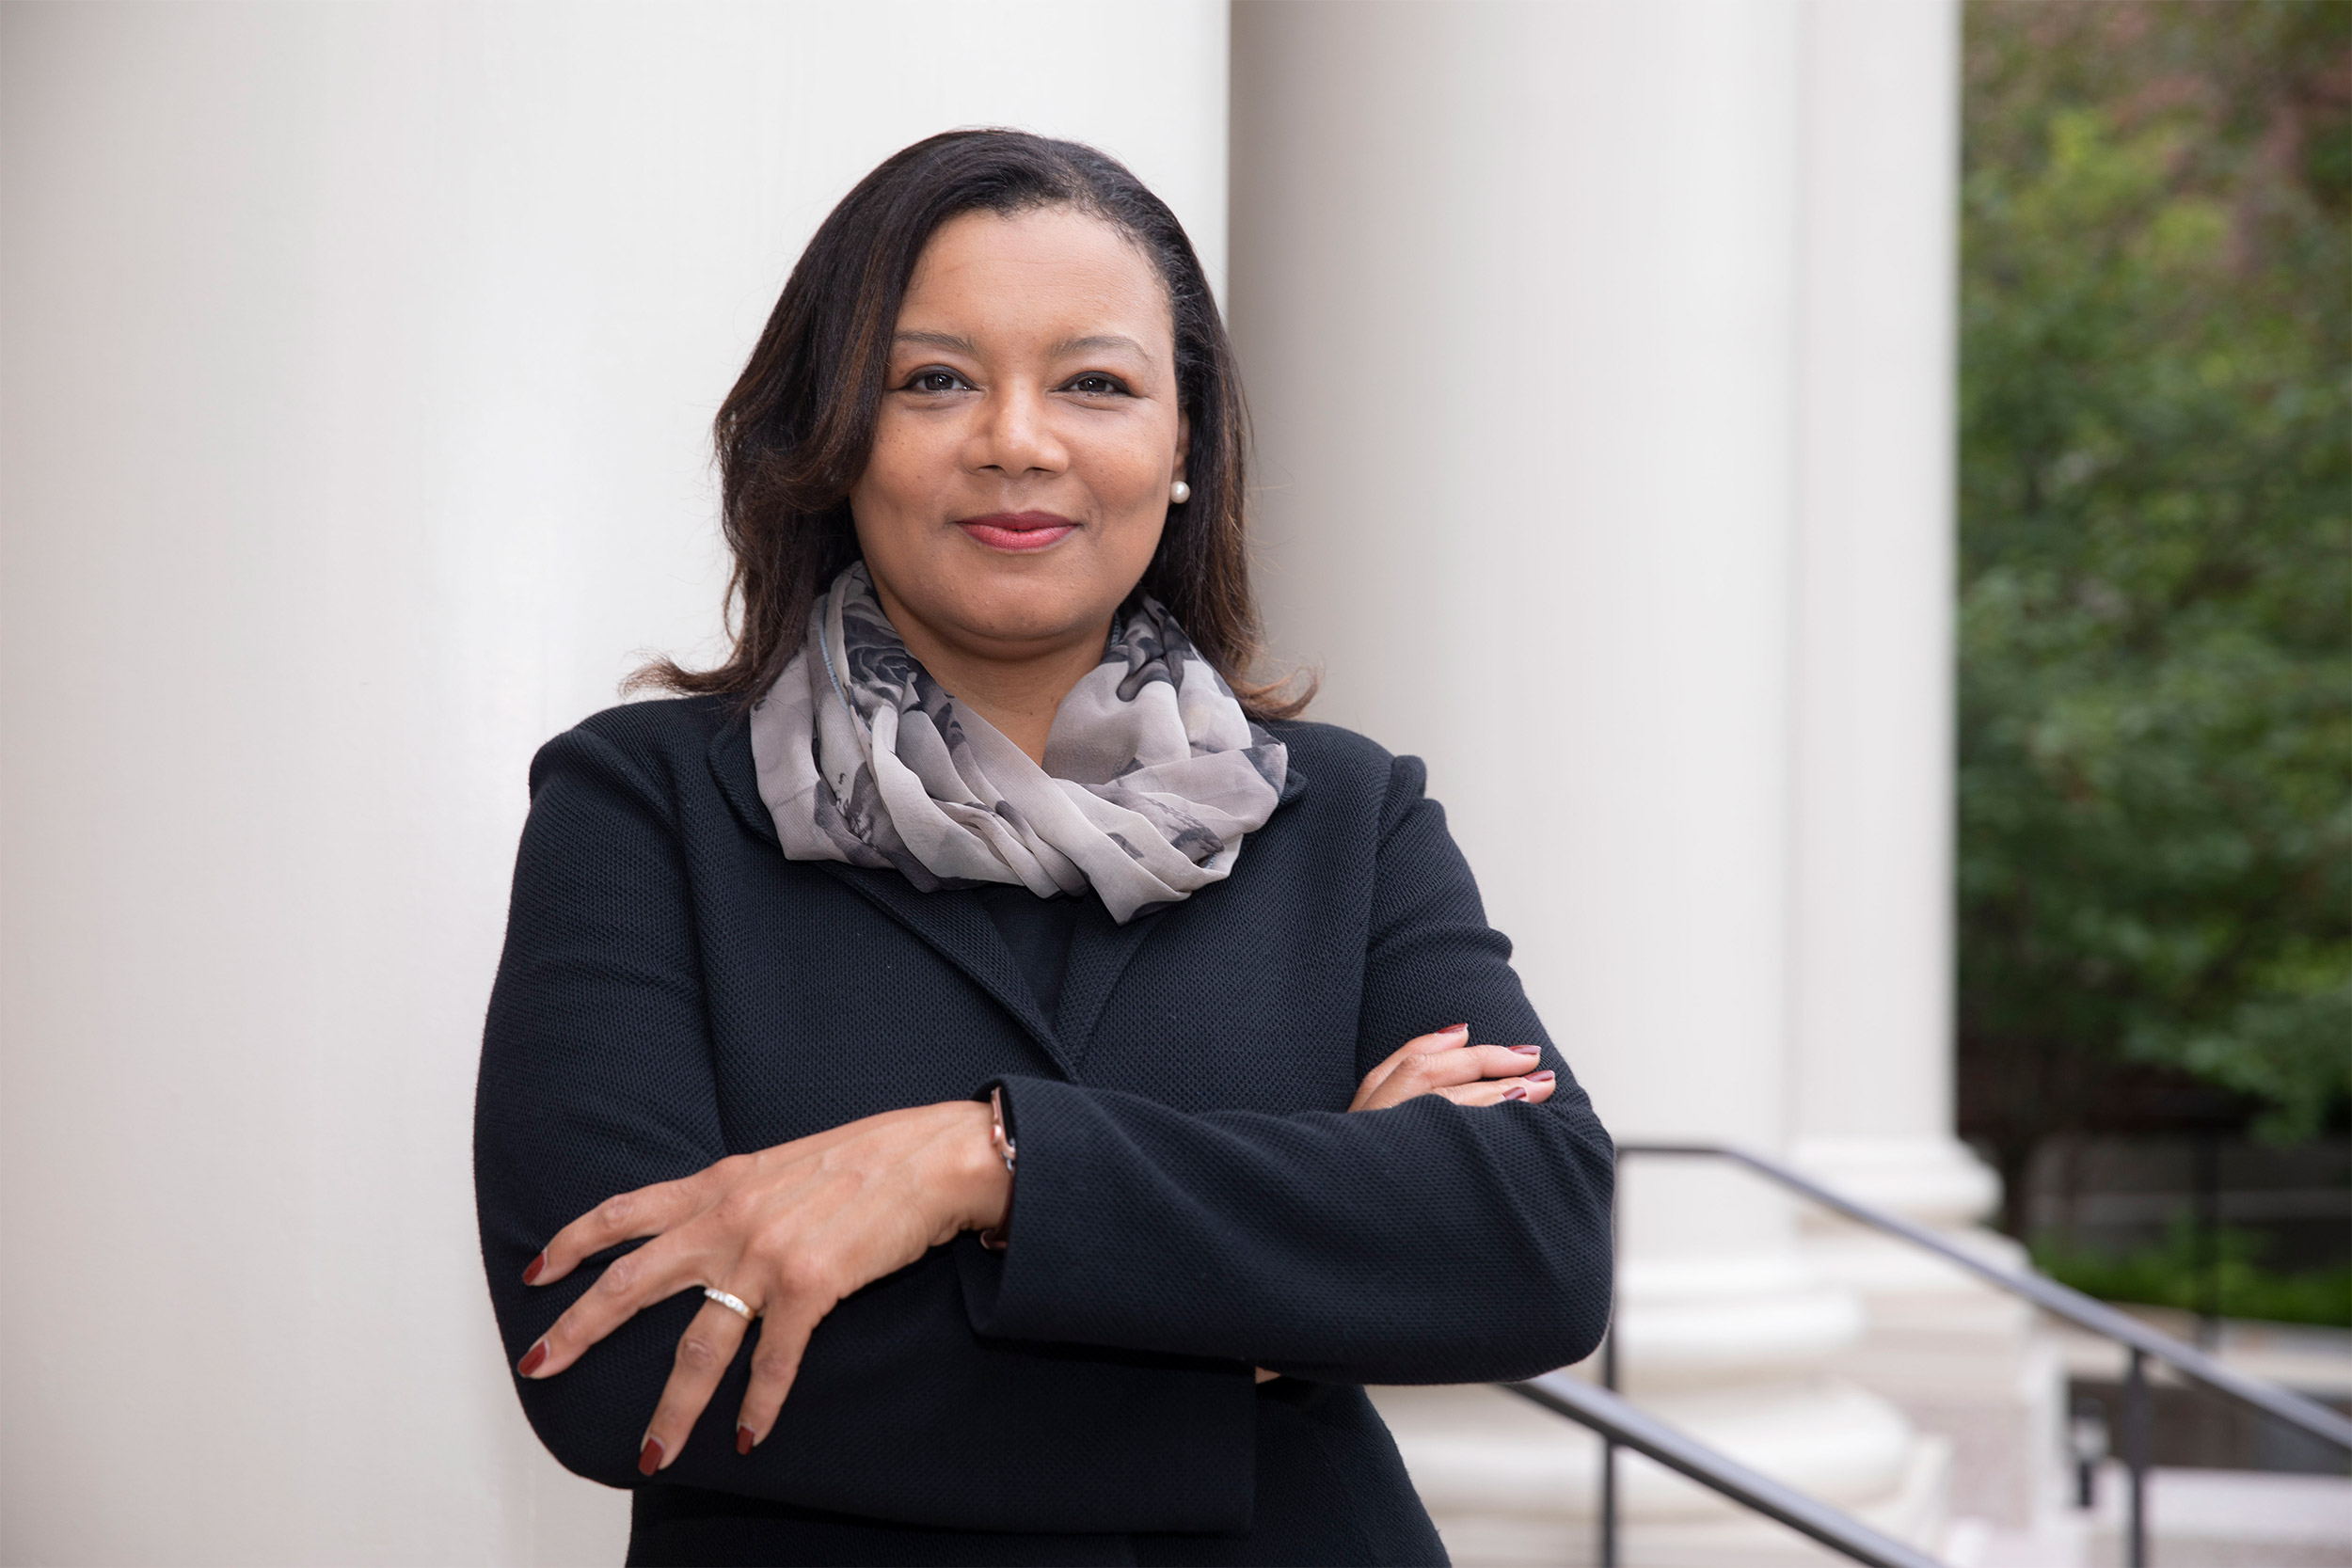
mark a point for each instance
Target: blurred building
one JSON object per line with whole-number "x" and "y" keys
{"x": 358, "y": 369}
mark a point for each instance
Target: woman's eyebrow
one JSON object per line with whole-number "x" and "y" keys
{"x": 953, "y": 342}
{"x": 957, "y": 344}
{"x": 1098, "y": 341}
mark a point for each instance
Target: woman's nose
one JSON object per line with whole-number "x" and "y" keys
{"x": 1017, "y": 434}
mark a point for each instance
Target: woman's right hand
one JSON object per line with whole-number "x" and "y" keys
{"x": 789, "y": 1232}
{"x": 1446, "y": 1063}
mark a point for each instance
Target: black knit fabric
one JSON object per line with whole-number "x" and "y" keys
{"x": 1192, "y": 1200}
{"x": 1039, "y": 931}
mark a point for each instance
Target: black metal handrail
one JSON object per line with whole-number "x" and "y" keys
{"x": 1621, "y": 1424}
{"x": 2047, "y": 1294}
{"x": 2081, "y": 1310}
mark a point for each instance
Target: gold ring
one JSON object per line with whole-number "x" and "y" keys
{"x": 733, "y": 1303}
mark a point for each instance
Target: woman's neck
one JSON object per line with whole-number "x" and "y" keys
{"x": 1017, "y": 686}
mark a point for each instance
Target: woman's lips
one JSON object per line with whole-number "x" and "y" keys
{"x": 1017, "y": 531}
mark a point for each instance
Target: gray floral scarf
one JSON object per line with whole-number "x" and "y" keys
{"x": 1153, "y": 773}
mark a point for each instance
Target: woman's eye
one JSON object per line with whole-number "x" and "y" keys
{"x": 936, "y": 380}
{"x": 1095, "y": 385}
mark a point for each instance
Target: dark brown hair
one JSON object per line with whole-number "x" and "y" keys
{"x": 795, "y": 434}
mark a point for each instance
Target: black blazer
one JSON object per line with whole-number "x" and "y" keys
{"x": 1190, "y": 1201}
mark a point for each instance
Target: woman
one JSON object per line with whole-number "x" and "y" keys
{"x": 913, "y": 1115}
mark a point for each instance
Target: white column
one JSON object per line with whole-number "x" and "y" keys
{"x": 356, "y": 365}
{"x": 1872, "y": 997}
{"x": 1517, "y": 289}
{"x": 1872, "y": 877}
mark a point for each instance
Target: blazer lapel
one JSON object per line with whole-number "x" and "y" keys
{"x": 738, "y": 777}
{"x": 956, "y": 928}
{"x": 953, "y": 926}
{"x": 1099, "y": 951}
{"x": 960, "y": 931}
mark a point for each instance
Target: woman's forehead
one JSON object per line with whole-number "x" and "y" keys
{"x": 1058, "y": 279}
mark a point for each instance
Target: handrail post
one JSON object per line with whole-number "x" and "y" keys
{"x": 2205, "y": 1239}
{"x": 2139, "y": 1418}
{"x": 1609, "y": 1380}
{"x": 1609, "y": 1475}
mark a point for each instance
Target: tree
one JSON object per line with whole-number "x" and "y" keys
{"x": 2155, "y": 618}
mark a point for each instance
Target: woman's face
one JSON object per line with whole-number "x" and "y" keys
{"x": 1027, "y": 439}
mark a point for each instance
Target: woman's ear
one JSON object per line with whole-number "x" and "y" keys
{"x": 1184, "y": 443}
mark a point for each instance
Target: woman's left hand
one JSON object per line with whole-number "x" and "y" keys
{"x": 790, "y": 1231}
{"x": 1445, "y": 1063}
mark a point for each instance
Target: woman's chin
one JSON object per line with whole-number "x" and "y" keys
{"x": 1023, "y": 599}
{"x": 1028, "y": 627}
{"x": 1030, "y": 613}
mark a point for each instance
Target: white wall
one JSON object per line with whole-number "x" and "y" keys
{"x": 355, "y": 368}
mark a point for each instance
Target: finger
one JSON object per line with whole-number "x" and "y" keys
{"x": 705, "y": 1351}
{"x": 1535, "y": 1088}
{"x": 1504, "y": 1061}
{"x": 1380, "y": 1074}
{"x": 1441, "y": 1039}
{"x": 654, "y": 1272}
{"x": 783, "y": 1340}
{"x": 622, "y": 1217}
{"x": 1437, "y": 1070}
{"x": 1484, "y": 1061}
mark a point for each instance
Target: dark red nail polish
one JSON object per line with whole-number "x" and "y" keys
{"x": 1529, "y": 1049}
{"x": 649, "y": 1457}
{"x": 531, "y": 1362}
{"x": 1543, "y": 1077}
{"x": 1515, "y": 1092}
{"x": 530, "y": 1274}
{"x": 743, "y": 1439}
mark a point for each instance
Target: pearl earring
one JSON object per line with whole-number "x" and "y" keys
{"x": 1179, "y": 493}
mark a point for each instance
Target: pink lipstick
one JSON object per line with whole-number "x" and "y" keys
{"x": 1017, "y": 531}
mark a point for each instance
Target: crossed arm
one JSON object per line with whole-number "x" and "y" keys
{"x": 1156, "y": 1253}
{"x": 793, "y": 1229}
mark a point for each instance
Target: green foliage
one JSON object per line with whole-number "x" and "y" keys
{"x": 2168, "y": 1275}
{"x": 2155, "y": 620}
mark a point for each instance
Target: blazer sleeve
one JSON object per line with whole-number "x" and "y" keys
{"x": 1426, "y": 1243}
{"x": 597, "y": 1078}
